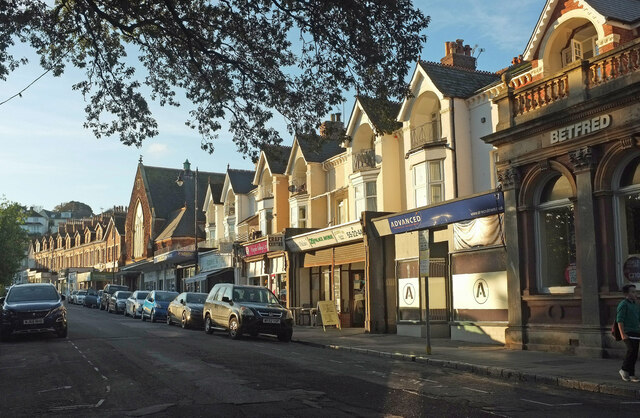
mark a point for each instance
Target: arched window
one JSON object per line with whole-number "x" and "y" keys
{"x": 628, "y": 212}
{"x": 555, "y": 233}
{"x": 138, "y": 232}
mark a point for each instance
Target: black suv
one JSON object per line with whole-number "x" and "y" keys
{"x": 30, "y": 308}
{"x": 246, "y": 309}
{"x": 108, "y": 291}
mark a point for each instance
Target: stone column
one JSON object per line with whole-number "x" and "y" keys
{"x": 590, "y": 335}
{"x": 510, "y": 180}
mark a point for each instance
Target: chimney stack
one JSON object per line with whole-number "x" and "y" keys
{"x": 330, "y": 127}
{"x": 458, "y": 55}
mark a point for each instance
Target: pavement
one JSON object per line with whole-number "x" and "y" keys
{"x": 493, "y": 361}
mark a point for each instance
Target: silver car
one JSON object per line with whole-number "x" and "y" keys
{"x": 79, "y": 299}
{"x": 133, "y": 305}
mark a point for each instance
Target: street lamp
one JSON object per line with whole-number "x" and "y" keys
{"x": 187, "y": 173}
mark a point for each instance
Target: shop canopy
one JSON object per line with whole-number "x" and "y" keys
{"x": 451, "y": 211}
{"x": 206, "y": 275}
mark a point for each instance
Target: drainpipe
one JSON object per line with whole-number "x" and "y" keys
{"x": 453, "y": 146}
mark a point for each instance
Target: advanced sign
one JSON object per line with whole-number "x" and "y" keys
{"x": 579, "y": 129}
{"x": 460, "y": 210}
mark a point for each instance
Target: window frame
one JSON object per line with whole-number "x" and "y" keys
{"x": 428, "y": 183}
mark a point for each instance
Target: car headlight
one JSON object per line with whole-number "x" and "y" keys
{"x": 246, "y": 311}
{"x": 289, "y": 314}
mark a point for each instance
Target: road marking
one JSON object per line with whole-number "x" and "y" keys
{"x": 359, "y": 365}
{"x": 108, "y": 388}
{"x": 51, "y": 390}
{"x": 539, "y": 403}
{"x": 96, "y": 369}
{"x": 335, "y": 361}
{"x": 99, "y": 403}
{"x": 70, "y": 407}
{"x": 428, "y": 380}
{"x": 104, "y": 377}
{"x": 475, "y": 390}
{"x": 629, "y": 403}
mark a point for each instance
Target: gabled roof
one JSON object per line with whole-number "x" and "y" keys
{"x": 456, "y": 81}
{"x": 274, "y": 157}
{"x": 623, "y": 11}
{"x": 241, "y": 181}
{"x": 180, "y": 224}
{"x": 33, "y": 214}
{"x": 165, "y": 196}
{"x": 317, "y": 149}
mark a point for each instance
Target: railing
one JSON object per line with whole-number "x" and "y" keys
{"x": 364, "y": 159}
{"x": 541, "y": 94}
{"x": 426, "y": 133}
{"x": 614, "y": 66}
{"x": 298, "y": 186}
{"x": 265, "y": 192}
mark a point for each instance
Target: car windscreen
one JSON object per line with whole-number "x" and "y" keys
{"x": 123, "y": 295}
{"x": 196, "y": 297}
{"x": 32, "y": 293}
{"x": 255, "y": 295}
{"x": 142, "y": 295}
{"x": 92, "y": 293}
{"x": 114, "y": 289}
{"x": 166, "y": 296}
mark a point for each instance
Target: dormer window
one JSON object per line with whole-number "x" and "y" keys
{"x": 582, "y": 45}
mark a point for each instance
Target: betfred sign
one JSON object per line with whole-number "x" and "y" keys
{"x": 579, "y": 129}
{"x": 631, "y": 269}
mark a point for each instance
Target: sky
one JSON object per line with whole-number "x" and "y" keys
{"x": 47, "y": 157}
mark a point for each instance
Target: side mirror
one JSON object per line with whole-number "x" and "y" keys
{"x": 226, "y": 299}
{"x": 182, "y": 301}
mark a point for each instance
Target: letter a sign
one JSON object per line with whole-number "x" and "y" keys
{"x": 480, "y": 291}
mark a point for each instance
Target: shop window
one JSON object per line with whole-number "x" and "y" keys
{"x": 365, "y": 197}
{"x": 428, "y": 183}
{"x": 628, "y": 212}
{"x": 555, "y": 236}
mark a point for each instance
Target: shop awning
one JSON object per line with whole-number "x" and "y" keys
{"x": 445, "y": 213}
{"x": 206, "y": 275}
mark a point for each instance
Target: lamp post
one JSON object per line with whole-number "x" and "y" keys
{"x": 187, "y": 173}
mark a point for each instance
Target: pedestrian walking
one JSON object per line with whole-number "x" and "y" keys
{"x": 628, "y": 319}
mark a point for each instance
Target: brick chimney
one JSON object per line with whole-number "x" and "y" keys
{"x": 332, "y": 126}
{"x": 458, "y": 55}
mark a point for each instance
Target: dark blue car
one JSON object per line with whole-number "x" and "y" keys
{"x": 156, "y": 304}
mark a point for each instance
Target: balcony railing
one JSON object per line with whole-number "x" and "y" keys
{"x": 364, "y": 159}
{"x": 541, "y": 94}
{"x": 298, "y": 186}
{"x": 426, "y": 133}
{"x": 614, "y": 66}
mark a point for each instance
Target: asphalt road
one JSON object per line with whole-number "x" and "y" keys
{"x": 115, "y": 366}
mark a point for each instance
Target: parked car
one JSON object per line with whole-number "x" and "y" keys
{"x": 186, "y": 309}
{"x": 99, "y": 297}
{"x": 246, "y": 309}
{"x": 107, "y": 292}
{"x": 79, "y": 299}
{"x": 91, "y": 298}
{"x": 72, "y": 298}
{"x": 34, "y": 307}
{"x": 133, "y": 305}
{"x": 156, "y": 303}
{"x": 118, "y": 301}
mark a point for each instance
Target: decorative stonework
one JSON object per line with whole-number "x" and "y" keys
{"x": 544, "y": 165}
{"x": 628, "y": 142}
{"x": 613, "y": 38}
{"x": 509, "y": 178}
{"x": 582, "y": 159}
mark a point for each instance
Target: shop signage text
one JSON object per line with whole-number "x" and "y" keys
{"x": 326, "y": 238}
{"x": 275, "y": 242}
{"x": 214, "y": 261}
{"x": 460, "y": 210}
{"x": 256, "y": 248}
{"x": 579, "y": 129}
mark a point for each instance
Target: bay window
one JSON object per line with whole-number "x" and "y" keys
{"x": 428, "y": 183}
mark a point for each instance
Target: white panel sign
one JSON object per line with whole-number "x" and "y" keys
{"x": 409, "y": 293}
{"x": 213, "y": 261}
{"x": 480, "y": 290}
{"x": 326, "y": 237}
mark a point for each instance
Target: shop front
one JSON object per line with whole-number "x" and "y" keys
{"x": 449, "y": 268}
{"x": 214, "y": 268}
{"x": 329, "y": 265}
{"x": 265, "y": 264}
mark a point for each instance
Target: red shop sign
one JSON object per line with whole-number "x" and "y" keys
{"x": 570, "y": 274}
{"x": 256, "y": 248}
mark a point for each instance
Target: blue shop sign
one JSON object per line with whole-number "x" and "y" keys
{"x": 447, "y": 213}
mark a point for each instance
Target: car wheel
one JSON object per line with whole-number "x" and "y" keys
{"x": 142, "y": 316}
{"x": 101, "y": 307}
{"x": 62, "y": 333}
{"x": 184, "y": 323}
{"x": 285, "y": 336}
{"x": 153, "y": 316}
{"x": 168, "y": 318}
{"x": 234, "y": 328}
{"x": 208, "y": 326}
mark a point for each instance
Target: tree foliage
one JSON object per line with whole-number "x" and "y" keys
{"x": 13, "y": 239}
{"x": 79, "y": 209}
{"x": 235, "y": 60}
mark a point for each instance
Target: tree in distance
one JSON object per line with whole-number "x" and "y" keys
{"x": 79, "y": 209}
{"x": 234, "y": 60}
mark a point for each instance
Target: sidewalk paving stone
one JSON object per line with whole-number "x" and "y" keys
{"x": 490, "y": 360}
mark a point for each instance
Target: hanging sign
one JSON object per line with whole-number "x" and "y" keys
{"x": 631, "y": 269}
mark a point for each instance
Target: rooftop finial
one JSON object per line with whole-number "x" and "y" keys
{"x": 140, "y": 160}
{"x": 186, "y": 165}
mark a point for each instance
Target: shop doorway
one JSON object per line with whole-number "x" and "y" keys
{"x": 358, "y": 308}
